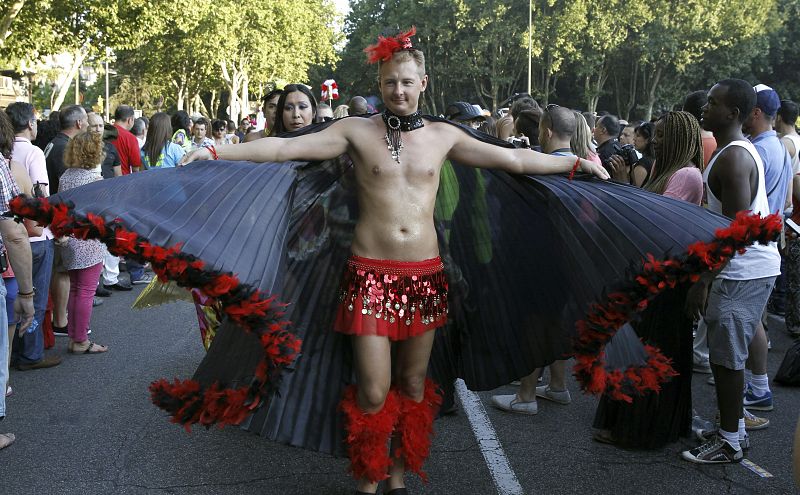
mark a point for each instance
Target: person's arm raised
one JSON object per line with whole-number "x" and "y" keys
{"x": 471, "y": 151}
{"x": 328, "y": 143}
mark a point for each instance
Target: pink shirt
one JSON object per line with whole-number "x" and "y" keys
{"x": 686, "y": 184}
{"x": 32, "y": 158}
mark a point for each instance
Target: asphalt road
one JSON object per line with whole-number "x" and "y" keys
{"x": 88, "y": 427}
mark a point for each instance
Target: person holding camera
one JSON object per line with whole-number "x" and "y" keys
{"x": 632, "y": 163}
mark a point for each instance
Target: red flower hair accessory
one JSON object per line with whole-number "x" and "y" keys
{"x": 383, "y": 50}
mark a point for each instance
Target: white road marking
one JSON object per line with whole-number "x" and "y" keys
{"x": 756, "y": 468}
{"x": 504, "y": 478}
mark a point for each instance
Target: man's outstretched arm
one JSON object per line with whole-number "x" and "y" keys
{"x": 470, "y": 151}
{"x": 322, "y": 145}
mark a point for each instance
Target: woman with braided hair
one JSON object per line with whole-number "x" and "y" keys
{"x": 654, "y": 420}
{"x": 678, "y": 149}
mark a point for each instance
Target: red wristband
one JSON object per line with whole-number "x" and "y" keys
{"x": 213, "y": 150}
{"x": 575, "y": 168}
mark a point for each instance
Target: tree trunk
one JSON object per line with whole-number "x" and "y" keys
{"x": 66, "y": 81}
{"x": 651, "y": 94}
{"x": 244, "y": 99}
{"x": 8, "y": 19}
{"x": 214, "y": 104}
{"x": 631, "y": 103}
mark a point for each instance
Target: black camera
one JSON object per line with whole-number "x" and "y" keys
{"x": 628, "y": 153}
{"x": 518, "y": 143}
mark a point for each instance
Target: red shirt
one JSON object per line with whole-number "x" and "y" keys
{"x": 128, "y": 149}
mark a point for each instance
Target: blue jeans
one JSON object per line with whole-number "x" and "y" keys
{"x": 135, "y": 269}
{"x": 30, "y": 348}
{"x": 4, "y": 357}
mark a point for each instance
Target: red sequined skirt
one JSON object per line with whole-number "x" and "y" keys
{"x": 395, "y": 299}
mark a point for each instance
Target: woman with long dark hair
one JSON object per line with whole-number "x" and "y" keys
{"x": 297, "y": 108}
{"x": 159, "y": 150}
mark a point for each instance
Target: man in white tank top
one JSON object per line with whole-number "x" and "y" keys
{"x": 736, "y": 295}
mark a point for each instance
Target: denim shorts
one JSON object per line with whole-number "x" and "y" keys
{"x": 732, "y": 316}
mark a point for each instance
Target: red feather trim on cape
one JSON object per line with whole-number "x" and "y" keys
{"x": 187, "y": 401}
{"x": 656, "y": 276}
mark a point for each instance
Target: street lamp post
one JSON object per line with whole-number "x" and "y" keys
{"x": 106, "y": 106}
{"x": 530, "y": 42}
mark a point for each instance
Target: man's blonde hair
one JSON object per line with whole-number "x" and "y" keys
{"x": 413, "y": 55}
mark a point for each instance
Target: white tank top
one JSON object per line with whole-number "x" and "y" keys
{"x": 796, "y": 160}
{"x": 758, "y": 261}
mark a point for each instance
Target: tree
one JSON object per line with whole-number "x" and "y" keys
{"x": 681, "y": 33}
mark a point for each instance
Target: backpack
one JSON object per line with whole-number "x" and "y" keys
{"x": 789, "y": 372}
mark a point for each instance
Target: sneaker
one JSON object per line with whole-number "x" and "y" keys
{"x": 703, "y": 367}
{"x": 146, "y": 279}
{"x": 96, "y": 301}
{"x": 511, "y": 403}
{"x": 705, "y": 436}
{"x": 558, "y": 396}
{"x": 763, "y": 403}
{"x": 60, "y": 331}
{"x": 9, "y": 391}
{"x": 715, "y": 451}
{"x": 751, "y": 421}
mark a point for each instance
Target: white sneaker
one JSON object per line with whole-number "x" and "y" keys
{"x": 511, "y": 403}
{"x": 557, "y": 396}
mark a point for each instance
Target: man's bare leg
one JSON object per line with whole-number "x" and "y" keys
{"x": 729, "y": 384}
{"x": 59, "y": 291}
{"x": 373, "y": 361}
{"x": 758, "y": 351}
{"x": 411, "y": 368}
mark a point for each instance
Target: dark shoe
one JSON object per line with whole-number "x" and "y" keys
{"x": 96, "y": 301}
{"x": 715, "y": 451}
{"x": 146, "y": 279}
{"x": 101, "y": 291}
{"x": 397, "y": 491}
{"x": 46, "y": 362}
{"x": 119, "y": 286}
{"x": 60, "y": 331}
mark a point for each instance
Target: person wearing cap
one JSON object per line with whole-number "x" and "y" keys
{"x": 777, "y": 178}
{"x": 464, "y": 113}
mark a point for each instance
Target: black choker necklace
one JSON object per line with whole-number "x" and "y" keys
{"x": 394, "y": 125}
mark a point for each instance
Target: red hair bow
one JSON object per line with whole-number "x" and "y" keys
{"x": 383, "y": 50}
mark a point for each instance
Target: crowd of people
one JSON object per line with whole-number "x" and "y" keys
{"x": 732, "y": 148}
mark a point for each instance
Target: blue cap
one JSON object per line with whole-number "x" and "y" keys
{"x": 767, "y": 99}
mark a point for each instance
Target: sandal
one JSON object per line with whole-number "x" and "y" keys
{"x": 91, "y": 348}
{"x": 6, "y": 439}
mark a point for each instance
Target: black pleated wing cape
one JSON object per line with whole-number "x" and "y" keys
{"x": 525, "y": 258}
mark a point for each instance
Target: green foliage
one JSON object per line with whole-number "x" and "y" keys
{"x": 627, "y": 56}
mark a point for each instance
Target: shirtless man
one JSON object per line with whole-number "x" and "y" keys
{"x": 395, "y": 241}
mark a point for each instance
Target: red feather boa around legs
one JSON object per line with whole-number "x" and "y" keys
{"x": 415, "y": 427}
{"x": 368, "y": 435}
